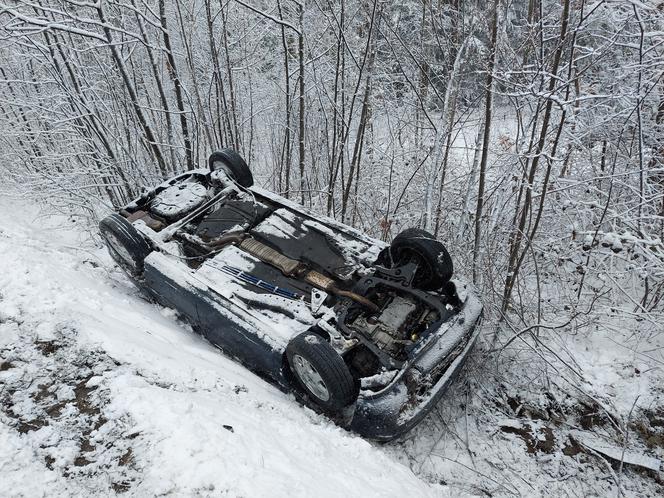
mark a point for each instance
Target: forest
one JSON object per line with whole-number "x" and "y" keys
{"x": 527, "y": 135}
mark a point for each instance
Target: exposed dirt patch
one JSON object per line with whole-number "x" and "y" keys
{"x": 83, "y": 401}
{"x": 572, "y": 448}
{"x": 57, "y": 385}
{"x": 24, "y": 427}
{"x": 81, "y": 461}
{"x": 55, "y": 410}
{"x": 650, "y": 426}
{"x": 656, "y": 417}
{"x": 537, "y": 440}
{"x": 47, "y": 348}
{"x": 121, "y": 487}
{"x": 590, "y": 416}
{"x": 546, "y": 409}
{"x": 42, "y": 392}
{"x": 126, "y": 458}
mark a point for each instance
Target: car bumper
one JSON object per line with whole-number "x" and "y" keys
{"x": 417, "y": 389}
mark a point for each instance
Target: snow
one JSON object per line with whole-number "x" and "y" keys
{"x": 315, "y": 216}
{"x": 276, "y": 328}
{"x": 352, "y": 250}
{"x": 102, "y": 392}
{"x": 23, "y": 473}
{"x": 380, "y": 379}
{"x": 615, "y": 452}
{"x": 284, "y": 223}
{"x": 280, "y": 224}
{"x": 179, "y": 198}
{"x": 146, "y": 406}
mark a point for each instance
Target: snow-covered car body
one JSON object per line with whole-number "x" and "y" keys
{"x": 252, "y": 271}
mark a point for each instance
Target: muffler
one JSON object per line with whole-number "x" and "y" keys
{"x": 288, "y": 266}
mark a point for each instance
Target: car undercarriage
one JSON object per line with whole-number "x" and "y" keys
{"x": 291, "y": 273}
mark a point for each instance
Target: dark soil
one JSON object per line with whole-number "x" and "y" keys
{"x": 572, "y": 448}
{"x": 47, "y": 348}
{"x": 534, "y": 443}
{"x": 650, "y": 426}
{"x": 61, "y": 367}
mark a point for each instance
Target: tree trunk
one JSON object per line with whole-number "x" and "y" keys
{"x": 177, "y": 86}
{"x": 514, "y": 259}
{"x": 286, "y": 159}
{"x": 485, "y": 140}
{"x": 129, "y": 87}
{"x": 300, "y": 53}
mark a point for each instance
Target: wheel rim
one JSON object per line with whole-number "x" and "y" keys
{"x": 118, "y": 250}
{"x": 310, "y": 377}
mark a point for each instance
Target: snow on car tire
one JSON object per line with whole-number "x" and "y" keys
{"x": 125, "y": 244}
{"x": 436, "y": 268}
{"x": 321, "y": 372}
{"x": 233, "y": 164}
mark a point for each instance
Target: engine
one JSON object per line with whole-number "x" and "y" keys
{"x": 388, "y": 330}
{"x": 399, "y": 323}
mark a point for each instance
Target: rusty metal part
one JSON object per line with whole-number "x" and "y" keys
{"x": 266, "y": 254}
{"x": 229, "y": 238}
{"x": 145, "y": 217}
{"x": 325, "y": 283}
{"x": 355, "y": 297}
{"x": 318, "y": 280}
{"x": 288, "y": 266}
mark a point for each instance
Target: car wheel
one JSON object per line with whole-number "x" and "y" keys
{"x": 435, "y": 266}
{"x": 125, "y": 244}
{"x": 321, "y": 372}
{"x": 234, "y": 166}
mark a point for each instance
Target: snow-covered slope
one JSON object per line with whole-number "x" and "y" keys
{"x": 103, "y": 392}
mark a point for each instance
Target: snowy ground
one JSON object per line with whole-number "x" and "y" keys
{"x": 102, "y": 392}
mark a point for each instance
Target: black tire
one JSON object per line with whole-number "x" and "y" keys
{"x": 435, "y": 266}
{"x": 234, "y": 165}
{"x": 125, "y": 244}
{"x": 335, "y": 376}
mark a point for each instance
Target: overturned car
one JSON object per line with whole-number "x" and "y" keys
{"x": 369, "y": 333}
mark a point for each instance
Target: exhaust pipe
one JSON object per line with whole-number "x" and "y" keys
{"x": 288, "y": 266}
{"x": 327, "y": 284}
